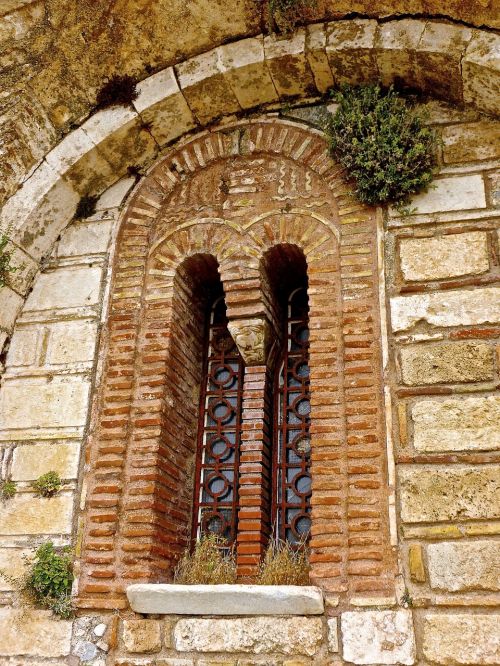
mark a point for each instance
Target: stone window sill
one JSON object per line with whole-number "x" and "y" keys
{"x": 170, "y": 599}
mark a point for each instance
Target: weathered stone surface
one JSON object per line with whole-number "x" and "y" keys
{"x": 12, "y": 562}
{"x": 71, "y": 342}
{"x": 26, "y": 514}
{"x": 317, "y": 58}
{"x": 432, "y": 363}
{"x": 457, "y": 424}
{"x": 142, "y": 635}
{"x": 481, "y": 72}
{"x": 205, "y": 88}
{"x": 416, "y": 563}
{"x": 453, "y": 193}
{"x": 333, "y": 634}
{"x": 115, "y": 195}
{"x": 32, "y": 460}
{"x": 444, "y": 256}
{"x": 259, "y": 635}
{"x": 11, "y": 305}
{"x": 440, "y": 493}
{"x": 65, "y": 288}
{"x": 439, "y": 57}
{"x": 350, "y": 50}
{"x": 85, "y": 238}
{"x": 460, "y": 567}
{"x": 288, "y": 65}
{"x": 378, "y": 637}
{"x": 225, "y": 599}
{"x": 244, "y": 66}
{"x": 33, "y": 633}
{"x": 44, "y": 402}
{"x": 462, "y": 639}
{"x": 471, "y": 142}
{"x": 396, "y": 46}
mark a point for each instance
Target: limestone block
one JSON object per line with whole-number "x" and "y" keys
{"x": 378, "y": 637}
{"x": 24, "y": 346}
{"x": 85, "y": 238}
{"x": 44, "y": 402}
{"x": 142, "y": 635}
{"x": 444, "y": 256}
{"x": 288, "y": 65}
{"x": 416, "y": 563}
{"x": 317, "y": 58}
{"x": 465, "y": 638}
{"x": 33, "y": 633}
{"x": 246, "y": 70}
{"x": 438, "y": 59}
{"x": 259, "y": 635}
{"x": 396, "y": 46}
{"x": 10, "y": 303}
{"x": 460, "y": 567}
{"x": 225, "y": 599}
{"x": 39, "y": 210}
{"x": 447, "y": 308}
{"x": 457, "y": 424}
{"x": 471, "y": 142}
{"x": 13, "y": 563}
{"x": 162, "y": 105}
{"x": 481, "y": 71}
{"x": 333, "y": 634}
{"x": 32, "y": 460}
{"x": 453, "y": 193}
{"x": 26, "y": 514}
{"x": 26, "y": 268}
{"x": 77, "y": 159}
{"x": 63, "y": 288}
{"x": 434, "y": 363}
{"x": 205, "y": 87}
{"x": 440, "y": 493}
{"x": 71, "y": 342}
{"x": 121, "y": 139}
{"x": 350, "y": 48}
{"x": 115, "y": 195}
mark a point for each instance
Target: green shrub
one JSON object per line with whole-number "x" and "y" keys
{"x": 48, "y": 484}
{"x": 284, "y": 15}
{"x": 284, "y": 565}
{"x": 86, "y": 207}
{"x": 383, "y": 143}
{"x": 210, "y": 563}
{"x": 49, "y": 579}
{"x": 118, "y": 90}
{"x": 7, "y": 489}
{"x": 5, "y": 258}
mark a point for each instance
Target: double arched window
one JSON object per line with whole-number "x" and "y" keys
{"x": 221, "y": 420}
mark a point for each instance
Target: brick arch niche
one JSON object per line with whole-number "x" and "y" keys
{"x": 225, "y": 206}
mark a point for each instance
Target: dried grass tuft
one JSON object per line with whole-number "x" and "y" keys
{"x": 208, "y": 564}
{"x": 284, "y": 565}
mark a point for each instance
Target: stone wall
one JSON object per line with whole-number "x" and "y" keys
{"x": 439, "y": 335}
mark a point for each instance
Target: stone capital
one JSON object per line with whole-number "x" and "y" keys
{"x": 252, "y": 339}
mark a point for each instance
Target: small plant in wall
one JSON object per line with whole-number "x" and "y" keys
{"x": 210, "y": 563}
{"x": 284, "y": 565}
{"x": 384, "y": 144}
{"x": 284, "y": 15}
{"x": 48, "y": 580}
{"x": 6, "y": 268}
{"x": 117, "y": 91}
{"x": 7, "y": 489}
{"x": 48, "y": 484}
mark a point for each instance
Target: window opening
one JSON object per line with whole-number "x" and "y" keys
{"x": 292, "y": 443}
{"x": 216, "y": 500}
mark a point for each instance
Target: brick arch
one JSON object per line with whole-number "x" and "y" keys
{"x": 292, "y": 194}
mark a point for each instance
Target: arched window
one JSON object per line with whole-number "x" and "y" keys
{"x": 218, "y": 452}
{"x": 292, "y": 444}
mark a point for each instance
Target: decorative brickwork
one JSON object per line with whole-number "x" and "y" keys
{"x": 232, "y": 195}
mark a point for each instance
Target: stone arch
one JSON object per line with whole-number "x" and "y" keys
{"x": 254, "y": 195}
{"x": 176, "y": 101}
